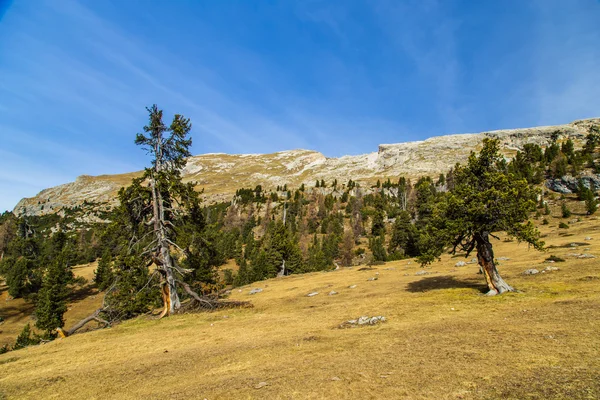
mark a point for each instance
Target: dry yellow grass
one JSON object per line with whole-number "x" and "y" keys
{"x": 443, "y": 339}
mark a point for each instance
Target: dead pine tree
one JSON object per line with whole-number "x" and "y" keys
{"x": 164, "y": 220}
{"x": 171, "y": 202}
{"x": 169, "y": 147}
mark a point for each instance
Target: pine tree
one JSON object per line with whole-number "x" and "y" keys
{"x": 103, "y": 276}
{"x": 25, "y": 338}
{"x": 566, "y": 213}
{"x": 51, "y": 303}
{"x": 346, "y": 250}
{"x": 377, "y": 248}
{"x": 485, "y": 199}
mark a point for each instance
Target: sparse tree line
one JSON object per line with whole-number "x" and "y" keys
{"x": 163, "y": 248}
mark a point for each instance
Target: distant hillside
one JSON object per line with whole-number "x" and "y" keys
{"x": 220, "y": 175}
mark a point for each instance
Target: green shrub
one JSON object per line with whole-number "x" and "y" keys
{"x": 545, "y": 221}
{"x": 562, "y": 225}
{"x": 25, "y": 338}
{"x": 566, "y": 213}
{"x": 555, "y": 259}
{"x": 228, "y": 276}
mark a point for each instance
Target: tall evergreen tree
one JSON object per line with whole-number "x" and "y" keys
{"x": 51, "y": 303}
{"x": 103, "y": 275}
{"x": 485, "y": 199}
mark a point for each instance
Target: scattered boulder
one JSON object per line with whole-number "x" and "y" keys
{"x": 550, "y": 269}
{"x": 422, "y": 272}
{"x": 312, "y": 294}
{"x": 531, "y": 271}
{"x": 587, "y": 238}
{"x": 570, "y": 184}
{"x": 333, "y": 293}
{"x": 261, "y": 385}
{"x": 363, "y": 321}
{"x": 254, "y": 291}
{"x": 585, "y": 255}
{"x": 335, "y": 378}
{"x": 351, "y": 286}
{"x": 372, "y": 279}
{"x": 502, "y": 258}
{"x": 460, "y": 264}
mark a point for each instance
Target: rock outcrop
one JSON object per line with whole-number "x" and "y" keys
{"x": 570, "y": 184}
{"x": 220, "y": 175}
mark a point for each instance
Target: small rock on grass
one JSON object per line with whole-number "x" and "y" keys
{"x": 335, "y": 378}
{"x": 421, "y": 273}
{"x": 460, "y": 264}
{"x": 531, "y": 271}
{"x": 261, "y": 385}
{"x": 312, "y": 294}
{"x": 372, "y": 279}
{"x": 351, "y": 286}
{"x": 362, "y": 321}
{"x": 254, "y": 291}
{"x": 333, "y": 293}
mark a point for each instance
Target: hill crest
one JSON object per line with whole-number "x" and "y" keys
{"x": 221, "y": 174}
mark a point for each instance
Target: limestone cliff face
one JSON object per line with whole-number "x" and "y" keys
{"x": 220, "y": 175}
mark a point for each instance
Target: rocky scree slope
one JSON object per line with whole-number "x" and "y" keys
{"x": 220, "y": 175}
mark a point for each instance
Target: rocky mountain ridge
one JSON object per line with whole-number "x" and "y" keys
{"x": 220, "y": 175}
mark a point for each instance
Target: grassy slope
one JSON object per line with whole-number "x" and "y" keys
{"x": 443, "y": 338}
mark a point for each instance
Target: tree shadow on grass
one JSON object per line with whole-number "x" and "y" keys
{"x": 445, "y": 282}
{"x": 82, "y": 292}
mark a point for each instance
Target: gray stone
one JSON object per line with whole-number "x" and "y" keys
{"x": 254, "y": 291}
{"x": 460, "y": 264}
{"x": 577, "y": 255}
{"x": 502, "y": 258}
{"x": 351, "y": 286}
{"x": 588, "y": 238}
{"x": 418, "y": 273}
{"x": 531, "y": 271}
{"x": 333, "y": 293}
{"x": 550, "y": 269}
{"x": 569, "y": 184}
{"x": 312, "y": 294}
{"x": 372, "y": 279}
{"x": 363, "y": 320}
{"x": 261, "y": 385}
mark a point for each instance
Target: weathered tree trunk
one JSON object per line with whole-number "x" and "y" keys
{"x": 94, "y": 317}
{"x": 171, "y": 286}
{"x": 485, "y": 256}
{"x": 281, "y": 269}
{"x": 166, "y": 262}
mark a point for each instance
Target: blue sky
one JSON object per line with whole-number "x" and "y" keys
{"x": 339, "y": 77}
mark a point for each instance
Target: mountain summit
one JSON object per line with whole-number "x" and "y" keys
{"x": 220, "y": 175}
